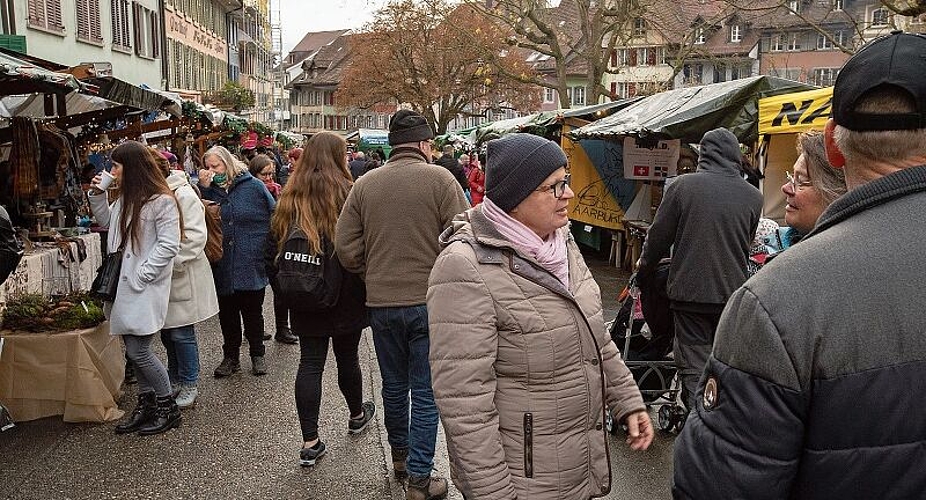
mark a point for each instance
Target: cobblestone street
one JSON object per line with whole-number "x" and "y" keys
{"x": 241, "y": 440}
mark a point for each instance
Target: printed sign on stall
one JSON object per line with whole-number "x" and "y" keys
{"x": 650, "y": 163}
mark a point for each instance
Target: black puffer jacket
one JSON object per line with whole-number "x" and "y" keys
{"x": 815, "y": 385}
{"x": 710, "y": 217}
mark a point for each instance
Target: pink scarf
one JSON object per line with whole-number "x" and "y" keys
{"x": 549, "y": 253}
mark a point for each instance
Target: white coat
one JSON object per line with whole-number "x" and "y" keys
{"x": 144, "y": 281}
{"x": 192, "y": 291}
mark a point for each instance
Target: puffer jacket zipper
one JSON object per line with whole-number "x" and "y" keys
{"x": 528, "y": 444}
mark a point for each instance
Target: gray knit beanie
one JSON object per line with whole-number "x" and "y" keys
{"x": 517, "y": 164}
{"x": 408, "y": 126}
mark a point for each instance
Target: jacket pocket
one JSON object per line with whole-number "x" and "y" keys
{"x": 181, "y": 287}
{"x": 528, "y": 445}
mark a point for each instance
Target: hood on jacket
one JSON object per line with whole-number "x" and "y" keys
{"x": 720, "y": 153}
{"x": 177, "y": 179}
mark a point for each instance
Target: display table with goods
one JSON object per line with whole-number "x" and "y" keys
{"x": 58, "y": 358}
{"x": 55, "y": 268}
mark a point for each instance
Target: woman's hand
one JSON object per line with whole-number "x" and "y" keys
{"x": 94, "y": 183}
{"x": 205, "y": 177}
{"x": 639, "y": 430}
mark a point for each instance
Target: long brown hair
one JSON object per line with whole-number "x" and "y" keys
{"x": 315, "y": 192}
{"x": 141, "y": 180}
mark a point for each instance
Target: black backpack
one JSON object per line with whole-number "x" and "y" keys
{"x": 306, "y": 281}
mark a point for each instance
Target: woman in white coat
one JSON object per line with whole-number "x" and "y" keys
{"x": 145, "y": 223}
{"x": 192, "y": 291}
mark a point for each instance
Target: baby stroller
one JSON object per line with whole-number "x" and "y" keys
{"x": 644, "y": 331}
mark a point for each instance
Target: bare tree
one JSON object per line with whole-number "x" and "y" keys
{"x": 575, "y": 37}
{"x": 437, "y": 57}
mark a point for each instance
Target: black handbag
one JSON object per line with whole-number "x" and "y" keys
{"x": 107, "y": 277}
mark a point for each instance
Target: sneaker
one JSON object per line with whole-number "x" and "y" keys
{"x": 258, "y": 365}
{"x": 426, "y": 488}
{"x": 227, "y": 367}
{"x": 308, "y": 456}
{"x": 186, "y": 397}
{"x": 399, "y": 456}
{"x": 285, "y": 336}
{"x": 358, "y": 425}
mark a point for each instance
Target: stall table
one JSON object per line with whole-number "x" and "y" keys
{"x": 76, "y": 374}
{"x": 55, "y": 268}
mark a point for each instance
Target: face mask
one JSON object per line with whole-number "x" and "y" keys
{"x": 220, "y": 178}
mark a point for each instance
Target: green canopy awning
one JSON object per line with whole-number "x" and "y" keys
{"x": 688, "y": 113}
{"x": 539, "y": 123}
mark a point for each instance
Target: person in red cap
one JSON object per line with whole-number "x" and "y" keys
{"x": 815, "y": 378}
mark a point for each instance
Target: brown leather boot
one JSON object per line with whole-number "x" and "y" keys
{"x": 399, "y": 455}
{"x": 426, "y": 488}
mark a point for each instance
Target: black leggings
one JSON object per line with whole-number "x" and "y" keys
{"x": 314, "y": 352}
{"x": 247, "y": 307}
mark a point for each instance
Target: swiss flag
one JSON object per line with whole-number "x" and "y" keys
{"x": 641, "y": 171}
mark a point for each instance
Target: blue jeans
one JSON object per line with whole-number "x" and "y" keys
{"x": 400, "y": 335}
{"x": 182, "y": 354}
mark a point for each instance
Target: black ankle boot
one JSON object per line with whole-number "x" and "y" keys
{"x": 167, "y": 416}
{"x": 141, "y": 415}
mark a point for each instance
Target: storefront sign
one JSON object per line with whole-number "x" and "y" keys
{"x": 187, "y": 33}
{"x": 650, "y": 163}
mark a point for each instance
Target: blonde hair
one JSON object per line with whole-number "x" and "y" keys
{"x": 233, "y": 166}
{"x": 828, "y": 180}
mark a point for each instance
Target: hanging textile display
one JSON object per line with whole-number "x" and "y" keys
{"x": 24, "y": 160}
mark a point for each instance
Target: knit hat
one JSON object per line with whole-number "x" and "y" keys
{"x": 517, "y": 164}
{"x": 408, "y": 126}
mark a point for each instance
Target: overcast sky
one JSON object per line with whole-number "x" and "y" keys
{"x": 301, "y": 16}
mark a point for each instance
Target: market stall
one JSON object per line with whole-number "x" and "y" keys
{"x": 369, "y": 140}
{"x": 781, "y": 119}
{"x": 648, "y": 138}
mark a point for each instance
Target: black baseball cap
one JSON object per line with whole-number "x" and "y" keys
{"x": 898, "y": 60}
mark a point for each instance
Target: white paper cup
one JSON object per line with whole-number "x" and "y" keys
{"x": 106, "y": 179}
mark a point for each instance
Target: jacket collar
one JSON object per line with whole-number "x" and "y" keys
{"x": 491, "y": 247}
{"x": 408, "y": 153}
{"x": 877, "y": 192}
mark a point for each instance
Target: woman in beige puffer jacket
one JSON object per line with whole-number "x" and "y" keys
{"x": 522, "y": 368}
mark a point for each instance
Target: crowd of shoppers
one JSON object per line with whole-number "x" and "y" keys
{"x": 486, "y": 318}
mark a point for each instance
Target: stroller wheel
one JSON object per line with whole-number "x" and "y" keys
{"x": 679, "y": 416}
{"x": 665, "y": 418}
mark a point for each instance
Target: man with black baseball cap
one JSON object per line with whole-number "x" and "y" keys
{"x": 819, "y": 361}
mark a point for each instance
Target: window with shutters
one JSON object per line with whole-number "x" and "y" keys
{"x": 122, "y": 31}
{"x": 147, "y": 29}
{"x": 45, "y": 15}
{"x": 88, "y": 21}
{"x": 7, "y": 21}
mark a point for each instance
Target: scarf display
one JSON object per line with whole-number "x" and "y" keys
{"x": 549, "y": 253}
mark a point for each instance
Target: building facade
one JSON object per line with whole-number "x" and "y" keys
{"x": 127, "y": 34}
{"x": 312, "y": 99}
{"x": 251, "y": 57}
{"x": 197, "y": 44}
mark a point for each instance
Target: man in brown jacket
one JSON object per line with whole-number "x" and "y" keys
{"x": 388, "y": 230}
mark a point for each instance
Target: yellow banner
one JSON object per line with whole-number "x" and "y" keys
{"x": 798, "y": 112}
{"x": 593, "y": 203}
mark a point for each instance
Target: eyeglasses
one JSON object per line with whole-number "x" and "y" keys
{"x": 558, "y": 187}
{"x": 797, "y": 183}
